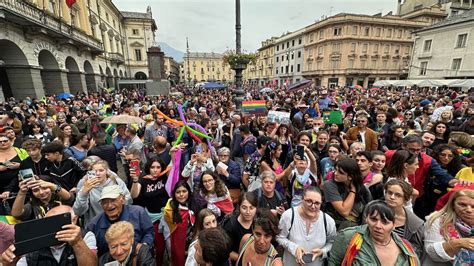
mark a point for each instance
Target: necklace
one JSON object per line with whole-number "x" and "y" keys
{"x": 54, "y": 163}
{"x": 384, "y": 245}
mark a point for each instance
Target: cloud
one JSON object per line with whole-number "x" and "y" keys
{"x": 210, "y": 24}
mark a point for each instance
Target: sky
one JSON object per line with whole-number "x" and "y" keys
{"x": 210, "y": 24}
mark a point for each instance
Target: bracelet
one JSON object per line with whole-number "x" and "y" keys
{"x": 352, "y": 191}
{"x": 134, "y": 181}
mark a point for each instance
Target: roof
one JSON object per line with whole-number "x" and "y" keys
{"x": 203, "y": 55}
{"x": 457, "y": 19}
{"x": 138, "y": 15}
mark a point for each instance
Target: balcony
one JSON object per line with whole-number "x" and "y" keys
{"x": 116, "y": 58}
{"x": 35, "y": 21}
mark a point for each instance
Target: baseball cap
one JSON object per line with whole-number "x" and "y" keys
{"x": 111, "y": 192}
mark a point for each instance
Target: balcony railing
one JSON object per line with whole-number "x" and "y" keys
{"x": 29, "y": 15}
{"x": 116, "y": 57}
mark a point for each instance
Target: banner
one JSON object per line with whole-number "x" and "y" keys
{"x": 257, "y": 108}
{"x": 332, "y": 117}
{"x": 278, "y": 117}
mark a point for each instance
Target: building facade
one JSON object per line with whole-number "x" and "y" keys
{"x": 450, "y": 7}
{"x": 349, "y": 49}
{"x": 172, "y": 69}
{"x": 140, "y": 31}
{"x": 202, "y": 67}
{"x": 263, "y": 70}
{"x": 48, "y": 48}
{"x": 289, "y": 58}
{"x": 445, "y": 50}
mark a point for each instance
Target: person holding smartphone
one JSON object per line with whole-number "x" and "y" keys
{"x": 200, "y": 162}
{"x": 44, "y": 195}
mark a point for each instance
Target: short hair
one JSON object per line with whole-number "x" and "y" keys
{"x": 52, "y": 147}
{"x": 312, "y": 189}
{"x": 357, "y": 143}
{"x": 262, "y": 140}
{"x": 223, "y": 150}
{"x": 251, "y": 197}
{"x": 377, "y": 153}
{"x": 31, "y": 144}
{"x": 267, "y": 174}
{"x": 267, "y": 221}
{"x": 118, "y": 229}
{"x": 134, "y": 151}
{"x": 303, "y": 133}
{"x": 366, "y": 154}
{"x": 131, "y": 130}
{"x": 216, "y": 246}
{"x": 381, "y": 208}
{"x": 244, "y": 129}
{"x": 405, "y": 186}
{"x": 412, "y": 138}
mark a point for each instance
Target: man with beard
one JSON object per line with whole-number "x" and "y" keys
{"x": 428, "y": 138}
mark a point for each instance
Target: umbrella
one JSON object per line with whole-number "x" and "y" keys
{"x": 300, "y": 85}
{"x": 356, "y": 87}
{"x": 213, "y": 85}
{"x": 266, "y": 90}
{"x": 65, "y": 95}
{"x": 122, "y": 119}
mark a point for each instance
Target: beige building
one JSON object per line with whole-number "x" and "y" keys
{"x": 350, "y": 49}
{"x": 450, "y": 7}
{"x": 200, "y": 67}
{"x": 262, "y": 72}
{"x": 140, "y": 35}
{"x": 172, "y": 69}
{"x": 48, "y": 48}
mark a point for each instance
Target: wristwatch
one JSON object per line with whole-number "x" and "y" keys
{"x": 58, "y": 189}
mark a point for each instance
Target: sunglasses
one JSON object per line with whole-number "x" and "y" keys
{"x": 4, "y": 140}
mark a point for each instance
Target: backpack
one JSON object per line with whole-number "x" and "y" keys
{"x": 260, "y": 194}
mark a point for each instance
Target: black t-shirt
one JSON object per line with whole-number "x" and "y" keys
{"x": 270, "y": 203}
{"x": 153, "y": 195}
{"x": 236, "y": 231}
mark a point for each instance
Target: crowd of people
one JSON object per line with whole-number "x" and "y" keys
{"x": 389, "y": 183}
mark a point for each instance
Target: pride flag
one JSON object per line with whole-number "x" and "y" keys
{"x": 258, "y": 108}
{"x": 8, "y": 219}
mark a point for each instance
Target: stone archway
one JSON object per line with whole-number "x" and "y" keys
{"x": 141, "y": 76}
{"x": 16, "y": 75}
{"x": 50, "y": 73}
{"x": 74, "y": 76}
{"x": 121, "y": 74}
{"x": 109, "y": 78}
{"x": 90, "y": 77}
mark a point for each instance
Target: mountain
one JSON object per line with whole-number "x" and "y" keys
{"x": 170, "y": 51}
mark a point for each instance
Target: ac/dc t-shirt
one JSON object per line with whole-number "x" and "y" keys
{"x": 153, "y": 195}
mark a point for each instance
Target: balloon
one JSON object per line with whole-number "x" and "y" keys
{"x": 172, "y": 121}
{"x": 181, "y": 114}
{"x": 199, "y": 133}
{"x": 192, "y": 135}
{"x": 180, "y": 136}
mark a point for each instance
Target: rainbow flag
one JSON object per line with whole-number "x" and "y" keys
{"x": 258, "y": 108}
{"x": 9, "y": 219}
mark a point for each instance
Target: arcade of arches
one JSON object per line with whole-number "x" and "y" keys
{"x": 50, "y": 73}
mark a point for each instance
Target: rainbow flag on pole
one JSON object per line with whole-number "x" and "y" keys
{"x": 258, "y": 108}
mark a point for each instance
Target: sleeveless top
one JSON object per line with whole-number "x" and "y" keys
{"x": 271, "y": 253}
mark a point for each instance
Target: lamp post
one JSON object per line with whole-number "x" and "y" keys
{"x": 238, "y": 68}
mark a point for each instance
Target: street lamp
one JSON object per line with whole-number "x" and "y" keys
{"x": 239, "y": 93}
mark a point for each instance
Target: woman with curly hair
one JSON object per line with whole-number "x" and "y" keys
{"x": 270, "y": 161}
{"x": 282, "y": 135}
{"x": 448, "y": 158}
{"x": 441, "y": 130}
{"x": 213, "y": 194}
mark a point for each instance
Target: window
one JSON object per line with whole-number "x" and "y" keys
{"x": 400, "y": 33}
{"x": 335, "y": 63}
{"x": 377, "y": 32}
{"x": 366, "y": 31}
{"x": 321, "y": 34}
{"x": 364, "y": 48}
{"x": 318, "y": 64}
{"x": 389, "y": 33}
{"x": 387, "y": 48}
{"x": 292, "y": 43}
{"x": 397, "y": 50}
{"x": 282, "y": 70}
{"x": 287, "y": 69}
{"x": 299, "y": 54}
{"x": 278, "y": 59}
{"x": 363, "y": 63}
{"x": 353, "y": 47}
{"x": 298, "y": 68}
{"x": 374, "y": 64}
{"x": 351, "y": 63}
{"x": 291, "y": 69}
{"x": 462, "y": 40}
{"x": 299, "y": 41}
{"x": 282, "y": 58}
{"x": 427, "y": 46}
{"x": 355, "y": 29}
{"x": 320, "y": 50}
{"x": 138, "y": 55}
{"x": 107, "y": 17}
{"x": 384, "y": 64}
{"x": 376, "y": 48}
{"x": 456, "y": 65}
{"x": 337, "y": 31}
{"x": 278, "y": 48}
{"x": 276, "y": 71}
{"x": 336, "y": 47}
{"x": 310, "y": 66}
{"x": 288, "y": 45}
{"x": 423, "y": 67}
{"x": 52, "y": 6}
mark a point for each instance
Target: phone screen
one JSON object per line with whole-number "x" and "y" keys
{"x": 308, "y": 258}
{"x": 300, "y": 151}
{"x": 26, "y": 174}
{"x": 91, "y": 174}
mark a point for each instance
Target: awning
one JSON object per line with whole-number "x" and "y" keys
{"x": 133, "y": 81}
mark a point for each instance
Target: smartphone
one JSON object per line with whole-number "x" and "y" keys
{"x": 300, "y": 151}
{"x": 308, "y": 258}
{"x": 26, "y": 174}
{"x": 134, "y": 164}
{"x": 198, "y": 149}
{"x": 91, "y": 174}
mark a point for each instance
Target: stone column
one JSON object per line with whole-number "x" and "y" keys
{"x": 25, "y": 81}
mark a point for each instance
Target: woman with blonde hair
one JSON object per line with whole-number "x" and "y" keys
{"x": 122, "y": 248}
{"x": 90, "y": 187}
{"x": 449, "y": 232}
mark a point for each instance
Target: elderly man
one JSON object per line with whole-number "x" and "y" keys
{"x": 229, "y": 172}
{"x": 78, "y": 250}
{"x": 112, "y": 200}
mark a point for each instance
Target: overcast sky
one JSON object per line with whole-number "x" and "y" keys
{"x": 210, "y": 24}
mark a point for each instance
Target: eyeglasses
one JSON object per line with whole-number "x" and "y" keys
{"x": 4, "y": 140}
{"x": 391, "y": 193}
{"x": 311, "y": 203}
{"x": 223, "y": 155}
